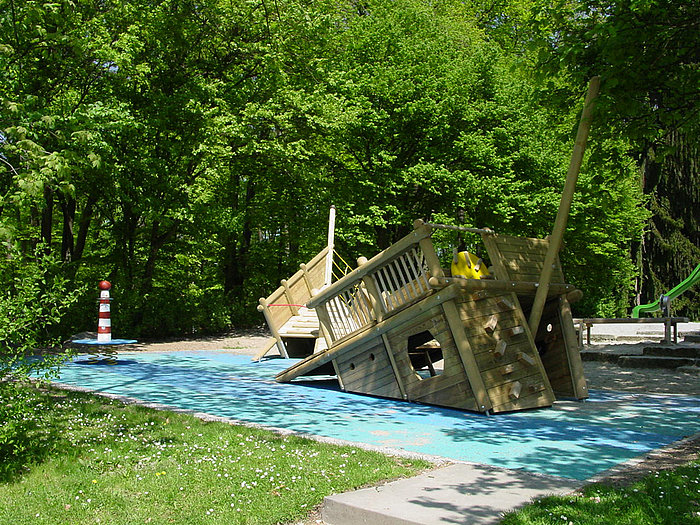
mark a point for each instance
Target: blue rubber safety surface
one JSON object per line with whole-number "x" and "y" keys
{"x": 574, "y": 440}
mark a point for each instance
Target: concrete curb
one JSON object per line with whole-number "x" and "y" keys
{"x": 460, "y": 493}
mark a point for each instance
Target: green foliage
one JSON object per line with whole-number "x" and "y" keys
{"x": 24, "y": 437}
{"x": 666, "y": 497}
{"x": 34, "y": 298}
{"x": 188, "y": 153}
{"x": 646, "y": 54}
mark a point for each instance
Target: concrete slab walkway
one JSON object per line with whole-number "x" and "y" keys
{"x": 462, "y": 493}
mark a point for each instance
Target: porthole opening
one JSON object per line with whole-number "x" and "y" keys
{"x": 425, "y": 354}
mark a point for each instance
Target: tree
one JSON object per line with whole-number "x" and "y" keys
{"x": 647, "y": 53}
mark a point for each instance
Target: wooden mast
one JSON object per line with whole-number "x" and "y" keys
{"x": 565, "y": 206}
{"x": 331, "y": 247}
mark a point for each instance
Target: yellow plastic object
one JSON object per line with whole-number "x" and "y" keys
{"x": 468, "y": 265}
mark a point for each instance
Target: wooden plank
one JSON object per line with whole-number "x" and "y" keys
{"x": 389, "y": 390}
{"x": 368, "y": 383}
{"x": 263, "y": 307}
{"x": 476, "y": 318}
{"x": 537, "y": 400}
{"x": 578, "y": 378}
{"x": 467, "y": 356}
{"x": 394, "y": 366}
{"x": 483, "y": 308}
{"x": 265, "y": 349}
{"x": 500, "y": 393}
{"x": 433, "y": 385}
{"x": 487, "y": 360}
{"x": 520, "y": 242}
{"x": 364, "y": 365}
{"x": 369, "y": 344}
{"x": 434, "y": 323}
{"x": 538, "y": 362}
{"x": 502, "y": 374}
{"x": 456, "y": 396}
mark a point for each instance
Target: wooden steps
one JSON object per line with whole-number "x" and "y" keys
{"x": 304, "y": 325}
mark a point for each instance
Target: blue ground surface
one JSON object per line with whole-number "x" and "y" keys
{"x": 573, "y": 440}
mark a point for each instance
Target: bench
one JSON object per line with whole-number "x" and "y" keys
{"x": 670, "y": 324}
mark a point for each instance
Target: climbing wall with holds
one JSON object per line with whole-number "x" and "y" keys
{"x": 508, "y": 361}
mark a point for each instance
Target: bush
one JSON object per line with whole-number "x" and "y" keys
{"x": 33, "y": 298}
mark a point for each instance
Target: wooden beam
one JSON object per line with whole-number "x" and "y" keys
{"x": 497, "y": 285}
{"x": 466, "y": 354}
{"x": 394, "y": 367}
{"x": 565, "y": 205}
{"x": 573, "y": 356}
{"x": 264, "y": 308}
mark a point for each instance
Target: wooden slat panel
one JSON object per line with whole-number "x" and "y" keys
{"x": 362, "y": 365}
{"x": 370, "y": 384}
{"x": 458, "y": 395}
{"x": 494, "y": 377}
{"x": 371, "y": 344}
{"x": 484, "y": 307}
{"x": 431, "y": 385}
{"x": 537, "y": 400}
{"x": 500, "y": 394}
{"x": 390, "y": 390}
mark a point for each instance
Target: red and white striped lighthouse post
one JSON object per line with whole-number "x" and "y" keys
{"x": 104, "y": 324}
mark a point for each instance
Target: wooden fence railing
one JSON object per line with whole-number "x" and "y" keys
{"x": 379, "y": 287}
{"x": 284, "y": 303}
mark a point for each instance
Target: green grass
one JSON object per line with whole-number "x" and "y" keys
{"x": 94, "y": 460}
{"x": 668, "y": 497}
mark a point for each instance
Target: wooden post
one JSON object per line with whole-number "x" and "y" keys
{"x": 265, "y": 349}
{"x": 573, "y": 356}
{"x": 394, "y": 367}
{"x": 565, "y": 205}
{"x": 326, "y": 324}
{"x": 307, "y": 279}
{"x": 264, "y": 308}
{"x": 375, "y": 297}
{"x": 466, "y": 354}
{"x": 426, "y": 246}
{"x": 331, "y": 246}
{"x": 290, "y": 298}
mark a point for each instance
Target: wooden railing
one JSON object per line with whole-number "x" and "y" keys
{"x": 379, "y": 287}
{"x": 284, "y": 302}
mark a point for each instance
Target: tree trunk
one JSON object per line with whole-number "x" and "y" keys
{"x": 67, "y": 204}
{"x": 671, "y": 245}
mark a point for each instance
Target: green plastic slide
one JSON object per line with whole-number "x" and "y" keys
{"x": 686, "y": 284}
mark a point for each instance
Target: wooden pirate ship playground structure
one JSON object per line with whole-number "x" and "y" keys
{"x": 401, "y": 326}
